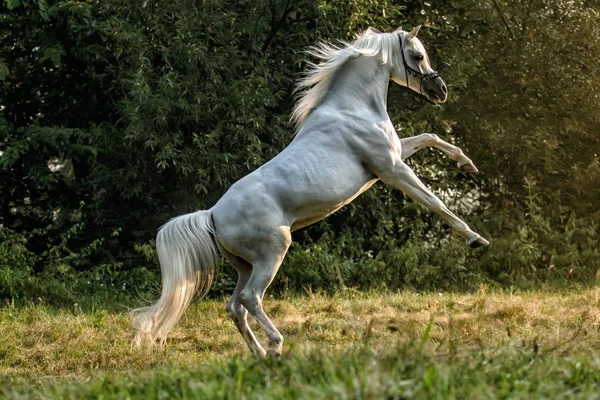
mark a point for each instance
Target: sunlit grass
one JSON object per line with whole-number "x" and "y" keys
{"x": 43, "y": 345}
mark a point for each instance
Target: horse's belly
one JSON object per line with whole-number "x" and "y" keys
{"x": 316, "y": 212}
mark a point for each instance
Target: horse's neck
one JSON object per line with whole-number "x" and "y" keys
{"x": 362, "y": 83}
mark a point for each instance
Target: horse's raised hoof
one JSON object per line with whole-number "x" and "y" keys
{"x": 467, "y": 167}
{"x": 477, "y": 242}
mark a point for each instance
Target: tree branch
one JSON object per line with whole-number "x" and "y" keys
{"x": 276, "y": 26}
{"x": 503, "y": 18}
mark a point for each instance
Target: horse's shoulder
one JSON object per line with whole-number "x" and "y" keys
{"x": 374, "y": 132}
{"x": 377, "y": 145}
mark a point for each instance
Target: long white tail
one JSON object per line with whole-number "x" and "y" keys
{"x": 188, "y": 260}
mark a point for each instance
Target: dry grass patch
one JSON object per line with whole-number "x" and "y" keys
{"x": 44, "y": 344}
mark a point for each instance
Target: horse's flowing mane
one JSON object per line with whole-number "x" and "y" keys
{"x": 316, "y": 80}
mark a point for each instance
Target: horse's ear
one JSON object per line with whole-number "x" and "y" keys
{"x": 414, "y": 32}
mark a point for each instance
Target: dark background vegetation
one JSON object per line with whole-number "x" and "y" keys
{"x": 118, "y": 115}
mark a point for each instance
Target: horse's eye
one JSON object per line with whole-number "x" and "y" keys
{"x": 419, "y": 57}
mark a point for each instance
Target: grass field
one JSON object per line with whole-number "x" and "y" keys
{"x": 541, "y": 344}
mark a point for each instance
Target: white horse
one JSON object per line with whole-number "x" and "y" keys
{"x": 345, "y": 142}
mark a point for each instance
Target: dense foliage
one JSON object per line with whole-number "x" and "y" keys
{"x": 116, "y": 116}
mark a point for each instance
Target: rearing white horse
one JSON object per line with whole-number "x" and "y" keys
{"x": 344, "y": 144}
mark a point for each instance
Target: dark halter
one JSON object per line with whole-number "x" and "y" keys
{"x": 417, "y": 74}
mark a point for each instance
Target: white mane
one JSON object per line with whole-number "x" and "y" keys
{"x": 315, "y": 83}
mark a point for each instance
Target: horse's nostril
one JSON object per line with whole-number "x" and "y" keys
{"x": 444, "y": 89}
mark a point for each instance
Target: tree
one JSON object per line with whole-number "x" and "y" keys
{"x": 116, "y": 116}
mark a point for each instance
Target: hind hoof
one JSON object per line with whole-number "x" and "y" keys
{"x": 273, "y": 354}
{"x": 477, "y": 242}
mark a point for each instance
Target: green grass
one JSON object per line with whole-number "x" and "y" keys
{"x": 355, "y": 345}
{"x": 401, "y": 372}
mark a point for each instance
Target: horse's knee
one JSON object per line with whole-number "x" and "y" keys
{"x": 433, "y": 203}
{"x": 433, "y": 139}
{"x": 437, "y": 205}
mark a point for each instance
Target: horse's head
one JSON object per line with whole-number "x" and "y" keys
{"x": 414, "y": 71}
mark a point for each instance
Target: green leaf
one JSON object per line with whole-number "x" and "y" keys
{"x": 4, "y": 71}
{"x": 53, "y": 53}
{"x": 12, "y": 4}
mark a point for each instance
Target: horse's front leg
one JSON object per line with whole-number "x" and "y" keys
{"x": 402, "y": 177}
{"x": 413, "y": 144}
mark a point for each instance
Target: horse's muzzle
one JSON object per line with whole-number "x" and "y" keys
{"x": 435, "y": 90}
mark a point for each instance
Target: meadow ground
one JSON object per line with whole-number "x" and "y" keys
{"x": 538, "y": 344}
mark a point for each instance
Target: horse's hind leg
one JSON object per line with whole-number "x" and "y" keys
{"x": 235, "y": 310}
{"x": 263, "y": 272}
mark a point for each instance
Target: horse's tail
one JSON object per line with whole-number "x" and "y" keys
{"x": 188, "y": 258}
